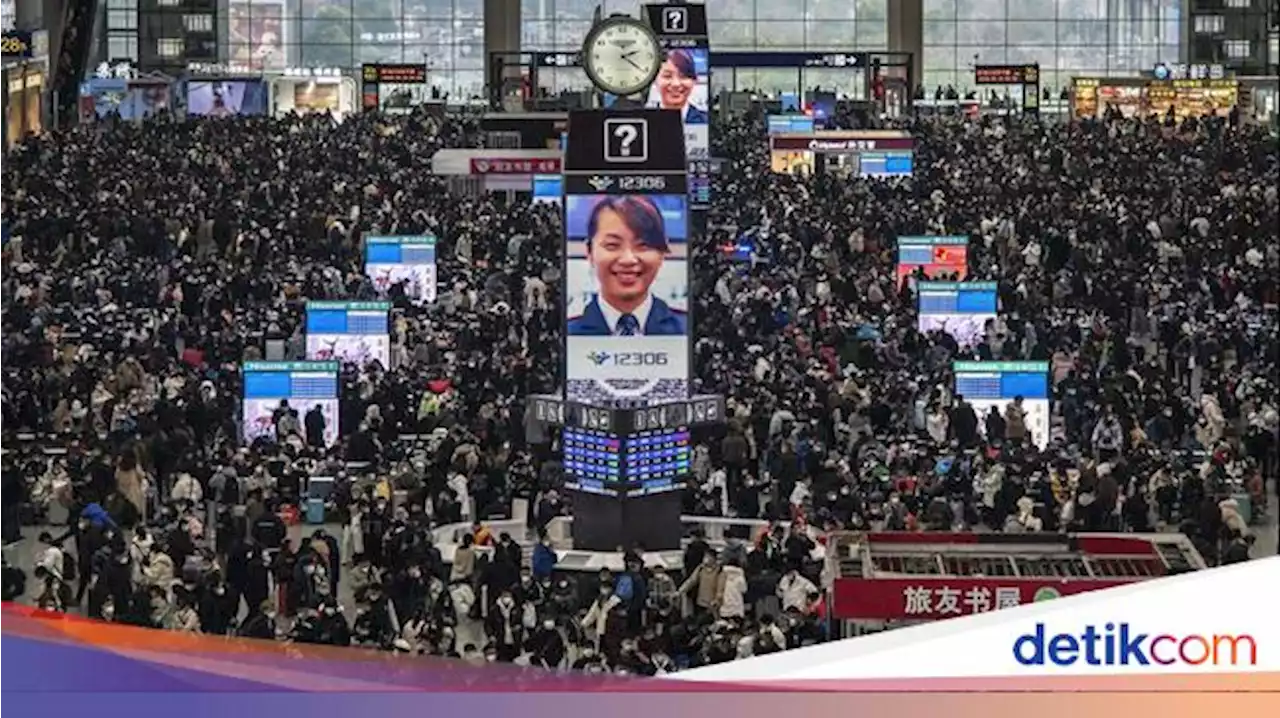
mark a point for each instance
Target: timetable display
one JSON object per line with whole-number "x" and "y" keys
{"x": 940, "y": 257}
{"x": 304, "y": 385}
{"x": 961, "y": 309}
{"x": 592, "y": 461}
{"x": 350, "y": 332}
{"x": 605, "y": 463}
{"x": 408, "y": 261}
{"x": 995, "y": 385}
{"x": 658, "y": 460}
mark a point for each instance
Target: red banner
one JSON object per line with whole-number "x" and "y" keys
{"x": 931, "y": 598}
{"x": 504, "y": 166}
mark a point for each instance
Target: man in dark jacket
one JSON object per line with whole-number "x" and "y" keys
{"x": 315, "y": 424}
{"x": 247, "y": 570}
{"x": 964, "y": 422}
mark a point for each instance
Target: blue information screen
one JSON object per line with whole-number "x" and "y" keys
{"x": 658, "y": 460}
{"x": 348, "y": 318}
{"x": 592, "y": 460}
{"x": 1002, "y": 380}
{"x": 287, "y": 380}
{"x": 957, "y": 297}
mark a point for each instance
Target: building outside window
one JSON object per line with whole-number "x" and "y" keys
{"x": 1067, "y": 38}
{"x": 448, "y": 35}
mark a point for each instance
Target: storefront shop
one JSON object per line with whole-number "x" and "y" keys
{"x": 1142, "y": 96}
{"x": 26, "y": 63}
{"x": 307, "y": 90}
{"x": 119, "y": 90}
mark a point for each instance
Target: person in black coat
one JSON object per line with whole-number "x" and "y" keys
{"x": 505, "y": 628}
{"x": 247, "y": 572}
{"x": 258, "y": 624}
{"x": 218, "y": 607}
{"x": 314, "y": 424}
{"x": 964, "y": 422}
{"x": 546, "y": 646}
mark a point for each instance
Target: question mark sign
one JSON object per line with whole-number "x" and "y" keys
{"x": 627, "y": 134}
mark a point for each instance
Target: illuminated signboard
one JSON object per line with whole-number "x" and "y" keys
{"x": 17, "y": 44}
{"x": 1006, "y": 74}
{"x": 394, "y": 73}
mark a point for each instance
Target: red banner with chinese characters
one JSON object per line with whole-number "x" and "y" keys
{"x": 504, "y": 166}
{"x": 931, "y": 598}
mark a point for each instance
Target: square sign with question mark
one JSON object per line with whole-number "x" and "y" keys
{"x": 626, "y": 139}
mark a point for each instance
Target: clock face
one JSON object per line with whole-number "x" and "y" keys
{"x": 622, "y": 56}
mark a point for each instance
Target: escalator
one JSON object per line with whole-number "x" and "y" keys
{"x": 75, "y": 50}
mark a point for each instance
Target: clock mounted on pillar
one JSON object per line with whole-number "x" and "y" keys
{"x": 622, "y": 56}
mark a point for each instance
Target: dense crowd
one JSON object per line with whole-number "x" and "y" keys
{"x": 147, "y": 261}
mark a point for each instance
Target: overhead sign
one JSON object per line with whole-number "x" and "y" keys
{"x": 1006, "y": 74}
{"x": 394, "y": 73}
{"x": 519, "y": 166}
{"x": 927, "y": 598}
{"x": 1194, "y": 71}
{"x": 18, "y": 45}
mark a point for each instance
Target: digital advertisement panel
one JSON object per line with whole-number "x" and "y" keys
{"x": 961, "y": 309}
{"x": 684, "y": 80}
{"x": 942, "y": 258}
{"x": 349, "y": 332}
{"x": 409, "y": 261}
{"x": 226, "y": 98}
{"x": 304, "y": 385}
{"x": 627, "y": 297}
{"x": 995, "y": 385}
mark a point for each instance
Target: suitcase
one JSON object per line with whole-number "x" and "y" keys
{"x": 315, "y": 511}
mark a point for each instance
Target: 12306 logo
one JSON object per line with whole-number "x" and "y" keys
{"x": 601, "y": 358}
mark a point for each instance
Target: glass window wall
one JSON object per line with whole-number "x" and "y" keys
{"x": 1067, "y": 38}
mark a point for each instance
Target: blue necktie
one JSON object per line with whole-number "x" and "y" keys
{"x": 628, "y": 325}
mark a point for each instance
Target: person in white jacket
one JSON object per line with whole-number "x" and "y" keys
{"x": 186, "y": 488}
{"x": 731, "y": 592}
{"x": 794, "y": 591}
{"x": 596, "y": 621}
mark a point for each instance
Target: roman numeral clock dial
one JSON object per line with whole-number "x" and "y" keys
{"x": 622, "y": 56}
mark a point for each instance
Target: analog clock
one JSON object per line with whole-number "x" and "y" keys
{"x": 621, "y": 56}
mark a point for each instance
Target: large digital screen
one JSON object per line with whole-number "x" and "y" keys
{"x": 409, "y": 261}
{"x": 349, "y": 332}
{"x": 683, "y": 84}
{"x": 548, "y": 188}
{"x": 592, "y": 461}
{"x": 131, "y": 101}
{"x": 304, "y": 385}
{"x": 961, "y": 309}
{"x": 995, "y": 385}
{"x": 657, "y": 461}
{"x": 649, "y": 462}
{"x": 627, "y": 298}
{"x": 942, "y": 258}
{"x": 226, "y": 98}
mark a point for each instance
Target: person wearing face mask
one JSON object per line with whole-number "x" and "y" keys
{"x": 218, "y": 606}
{"x": 259, "y": 623}
{"x": 505, "y": 628}
{"x": 546, "y": 646}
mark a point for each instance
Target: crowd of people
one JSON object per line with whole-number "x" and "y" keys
{"x": 147, "y": 261}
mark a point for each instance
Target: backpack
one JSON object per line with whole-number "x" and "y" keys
{"x": 625, "y": 587}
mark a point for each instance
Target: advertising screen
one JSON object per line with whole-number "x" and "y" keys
{"x": 304, "y": 384}
{"x": 942, "y": 258}
{"x": 861, "y": 153}
{"x": 410, "y": 260}
{"x": 684, "y": 80}
{"x": 226, "y": 98}
{"x": 961, "y": 309}
{"x": 991, "y": 385}
{"x": 627, "y": 297}
{"x": 349, "y": 332}
{"x": 131, "y": 101}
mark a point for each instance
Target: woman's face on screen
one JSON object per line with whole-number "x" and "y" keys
{"x": 624, "y": 266}
{"x": 673, "y": 87}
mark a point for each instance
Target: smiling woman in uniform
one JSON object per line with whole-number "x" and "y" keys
{"x": 626, "y": 247}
